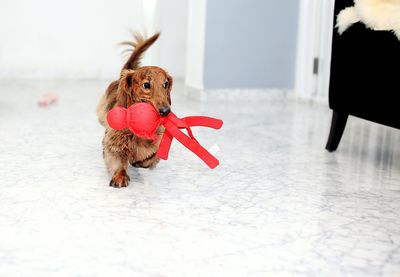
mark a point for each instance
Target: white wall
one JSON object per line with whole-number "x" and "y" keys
{"x": 172, "y": 16}
{"x": 314, "y": 41}
{"x": 79, "y": 39}
{"x": 196, "y": 33}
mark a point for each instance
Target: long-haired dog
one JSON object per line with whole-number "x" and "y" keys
{"x": 136, "y": 84}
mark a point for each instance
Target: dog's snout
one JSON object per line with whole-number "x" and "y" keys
{"x": 164, "y": 111}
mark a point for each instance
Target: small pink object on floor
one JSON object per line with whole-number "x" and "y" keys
{"x": 48, "y": 99}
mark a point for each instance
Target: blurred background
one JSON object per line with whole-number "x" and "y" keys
{"x": 206, "y": 44}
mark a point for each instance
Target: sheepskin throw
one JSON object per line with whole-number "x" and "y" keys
{"x": 375, "y": 14}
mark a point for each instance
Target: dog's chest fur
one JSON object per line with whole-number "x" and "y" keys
{"x": 130, "y": 147}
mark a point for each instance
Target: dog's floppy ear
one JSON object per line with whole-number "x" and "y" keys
{"x": 124, "y": 94}
{"x": 170, "y": 82}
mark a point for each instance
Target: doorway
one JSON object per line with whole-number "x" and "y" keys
{"x": 314, "y": 50}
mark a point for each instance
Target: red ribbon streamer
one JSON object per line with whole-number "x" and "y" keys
{"x": 173, "y": 124}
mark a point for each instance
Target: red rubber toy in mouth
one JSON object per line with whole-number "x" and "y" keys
{"x": 142, "y": 119}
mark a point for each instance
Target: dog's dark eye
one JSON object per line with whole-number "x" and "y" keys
{"x": 166, "y": 85}
{"x": 146, "y": 85}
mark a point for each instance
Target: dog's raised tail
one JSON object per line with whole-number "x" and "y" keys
{"x": 140, "y": 45}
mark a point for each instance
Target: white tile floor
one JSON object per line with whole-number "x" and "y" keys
{"x": 279, "y": 204}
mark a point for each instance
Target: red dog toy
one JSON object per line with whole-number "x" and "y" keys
{"x": 143, "y": 120}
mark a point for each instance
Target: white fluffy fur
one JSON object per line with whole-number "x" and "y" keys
{"x": 375, "y": 14}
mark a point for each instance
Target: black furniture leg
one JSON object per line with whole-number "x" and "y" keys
{"x": 339, "y": 120}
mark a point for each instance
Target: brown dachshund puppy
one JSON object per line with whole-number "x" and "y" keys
{"x": 137, "y": 84}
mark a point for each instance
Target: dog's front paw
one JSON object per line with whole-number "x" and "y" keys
{"x": 120, "y": 179}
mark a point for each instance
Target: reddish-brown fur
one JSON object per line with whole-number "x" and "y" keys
{"x": 123, "y": 147}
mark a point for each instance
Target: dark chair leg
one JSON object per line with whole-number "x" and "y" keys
{"x": 339, "y": 120}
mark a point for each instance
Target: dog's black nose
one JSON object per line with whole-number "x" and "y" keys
{"x": 164, "y": 111}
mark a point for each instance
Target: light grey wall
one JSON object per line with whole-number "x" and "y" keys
{"x": 250, "y": 43}
{"x": 171, "y": 19}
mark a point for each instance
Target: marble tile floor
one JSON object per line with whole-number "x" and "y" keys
{"x": 278, "y": 205}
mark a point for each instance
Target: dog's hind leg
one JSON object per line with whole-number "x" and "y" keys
{"x": 118, "y": 166}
